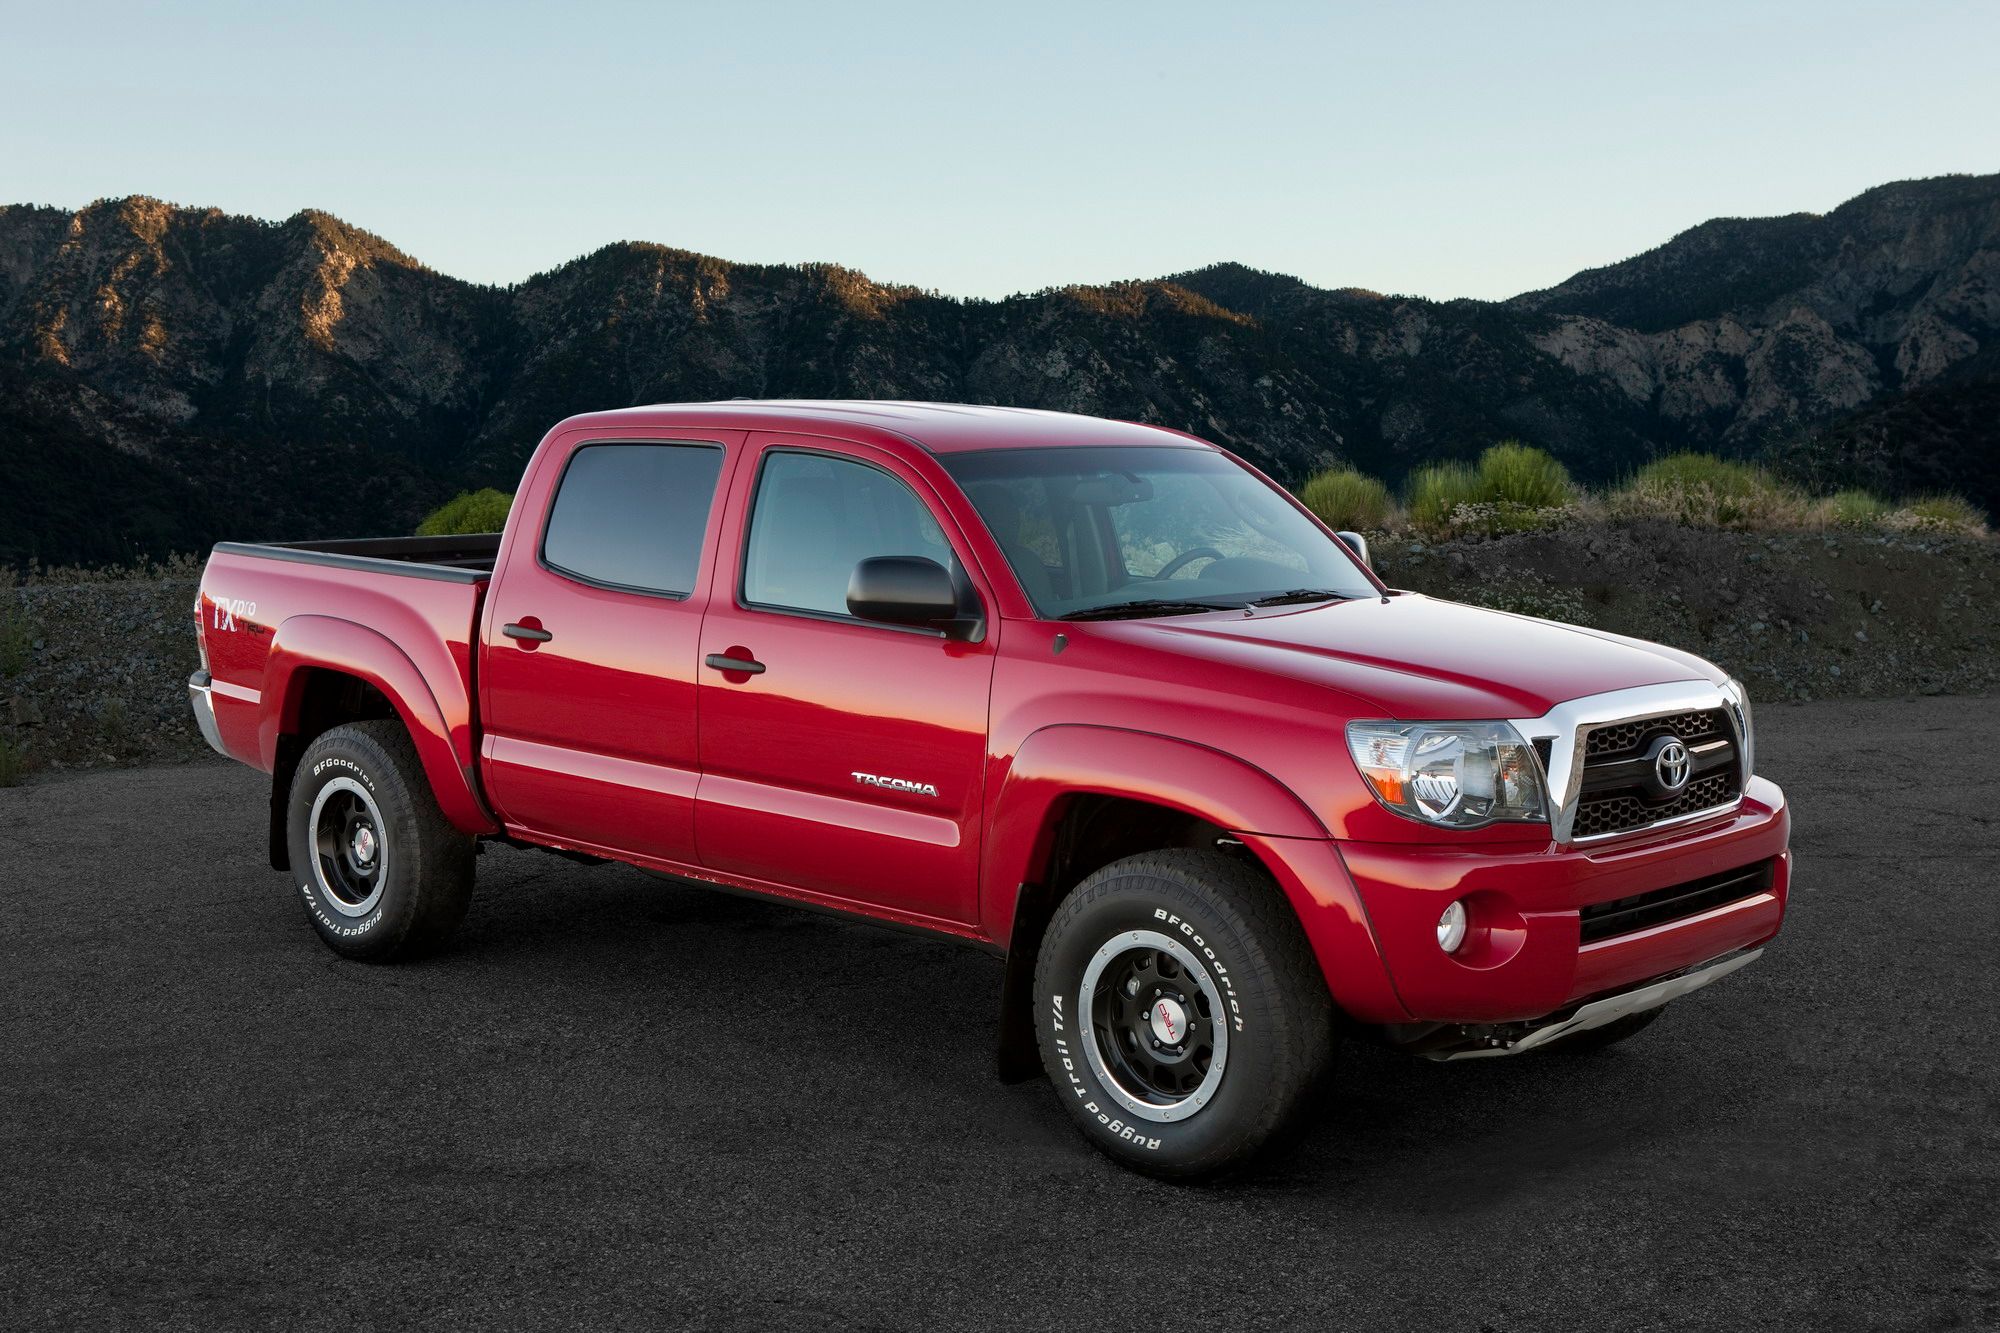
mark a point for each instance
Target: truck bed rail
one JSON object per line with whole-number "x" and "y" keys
{"x": 453, "y": 559}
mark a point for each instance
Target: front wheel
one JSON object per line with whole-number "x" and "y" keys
{"x": 382, "y": 874}
{"x": 1180, "y": 1012}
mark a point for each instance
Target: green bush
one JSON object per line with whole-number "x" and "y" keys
{"x": 1512, "y": 473}
{"x": 1939, "y": 513}
{"x": 1689, "y": 471}
{"x": 1703, "y": 491}
{"x": 1437, "y": 491}
{"x": 468, "y": 512}
{"x": 1346, "y": 499}
{"x": 1857, "y": 509}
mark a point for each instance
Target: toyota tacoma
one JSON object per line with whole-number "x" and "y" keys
{"x": 1097, "y": 696}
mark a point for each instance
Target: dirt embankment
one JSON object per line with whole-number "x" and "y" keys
{"x": 93, "y": 669}
{"x": 1796, "y": 615}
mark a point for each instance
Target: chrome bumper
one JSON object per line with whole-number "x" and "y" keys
{"x": 1610, "y": 1009}
{"x": 201, "y": 698}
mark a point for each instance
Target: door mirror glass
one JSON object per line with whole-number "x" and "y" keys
{"x": 902, "y": 590}
{"x": 1358, "y": 544}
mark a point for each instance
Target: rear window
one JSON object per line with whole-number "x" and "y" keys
{"x": 632, "y": 516}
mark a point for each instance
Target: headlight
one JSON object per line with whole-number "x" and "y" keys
{"x": 1739, "y": 703}
{"x": 1455, "y": 774}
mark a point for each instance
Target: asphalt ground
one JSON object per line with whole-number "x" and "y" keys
{"x": 621, "y": 1103}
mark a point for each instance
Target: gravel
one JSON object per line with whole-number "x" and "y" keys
{"x": 620, "y": 1103}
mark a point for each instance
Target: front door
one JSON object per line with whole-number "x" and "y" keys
{"x": 839, "y": 756}
{"x": 587, "y": 681}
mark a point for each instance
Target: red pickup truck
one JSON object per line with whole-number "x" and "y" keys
{"x": 1097, "y": 696}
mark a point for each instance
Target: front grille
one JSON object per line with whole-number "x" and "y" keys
{"x": 1622, "y": 916}
{"x": 1622, "y": 738}
{"x": 1618, "y": 791}
{"x": 1599, "y": 813}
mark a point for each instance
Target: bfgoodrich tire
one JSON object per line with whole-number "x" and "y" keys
{"x": 1180, "y": 1013}
{"x": 382, "y": 875}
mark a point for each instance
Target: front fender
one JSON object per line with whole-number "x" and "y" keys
{"x": 1067, "y": 759}
{"x": 305, "y": 642}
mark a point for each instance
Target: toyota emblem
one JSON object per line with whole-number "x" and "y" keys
{"x": 1671, "y": 765}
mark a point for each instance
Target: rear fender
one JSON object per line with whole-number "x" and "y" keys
{"x": 306, "y": 642}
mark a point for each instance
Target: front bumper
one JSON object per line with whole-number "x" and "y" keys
{"x": 1526, "y": 955}
{"x": 201, "y": 698}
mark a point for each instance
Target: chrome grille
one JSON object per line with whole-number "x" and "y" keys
{"x": 1626, "y": 737}
{"x": 1600, "y": 813}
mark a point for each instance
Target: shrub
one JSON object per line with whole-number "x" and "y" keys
{"x": 1512, "y": 473}
{"x": 1857, "y": 509}
{"x": 12, "y": 763}
{"x": 1437, "y": 491}
{"x": 1702, "y": 491}
{"x": 1938, "y": 513}
{"x": 468, "y": 512}
{"x": 1346, "y": 499}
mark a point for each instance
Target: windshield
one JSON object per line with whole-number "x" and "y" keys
{"x": 1155, "y": 531}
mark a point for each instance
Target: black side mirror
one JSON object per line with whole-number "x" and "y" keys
{"x": 1358, "y": 544}
{"x": 903, "y": 590}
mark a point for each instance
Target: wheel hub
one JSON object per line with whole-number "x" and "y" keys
{"x": 1169, "y": 1021}
{"x": 1154, "y": 1035}
{"x": 364, "y": 845}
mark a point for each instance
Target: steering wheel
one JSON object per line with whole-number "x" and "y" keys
{"x": 1184, "y": 559}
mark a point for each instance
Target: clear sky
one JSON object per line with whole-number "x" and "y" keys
{"x": 1434, "y": 149}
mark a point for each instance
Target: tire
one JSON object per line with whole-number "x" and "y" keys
{"x": 1219, "y": 942}
{"x": 1596, "y": 1039}
{"x": 397, "y": 890}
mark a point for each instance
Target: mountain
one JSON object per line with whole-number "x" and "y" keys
{"x": 170, "y": 375}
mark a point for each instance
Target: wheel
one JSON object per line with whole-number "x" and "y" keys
{"x": 1596, "y": 1039}
{"x": 382, "y": 874}
{"x": 1179, "y": 1011}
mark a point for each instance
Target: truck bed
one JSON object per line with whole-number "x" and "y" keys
{"x": 457, "y": 559}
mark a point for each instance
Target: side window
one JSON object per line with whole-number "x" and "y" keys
{"x": 633, "y": 515}
{"x": 816, "y": 518}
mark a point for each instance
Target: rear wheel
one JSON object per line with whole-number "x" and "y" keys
{"x": 383, "y": 876}
{"x": 1180, "y": 1012}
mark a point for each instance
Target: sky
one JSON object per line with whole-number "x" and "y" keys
{"x": 1430, "y": 149}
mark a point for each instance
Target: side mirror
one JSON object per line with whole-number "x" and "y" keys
{"x": 1358, "y": 544}
{"x": 903, "y": 590}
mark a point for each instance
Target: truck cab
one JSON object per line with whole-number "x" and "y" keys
{"x": 1097, "y": 696}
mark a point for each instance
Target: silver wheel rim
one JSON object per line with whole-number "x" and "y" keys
{"x": 1158, "y": 1111}
{"x": 338, "y": 889}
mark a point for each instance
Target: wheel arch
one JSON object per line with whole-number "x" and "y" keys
{"x": 322, "y": 672}
{"x": 1078, "y": 797}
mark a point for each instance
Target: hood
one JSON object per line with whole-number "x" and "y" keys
{"x": 1411, "y": 657}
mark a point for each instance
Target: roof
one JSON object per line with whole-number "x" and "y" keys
{"x": 938, "y": 427}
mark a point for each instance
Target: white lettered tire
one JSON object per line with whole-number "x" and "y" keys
{"x": 381, "y": 873}
{"x": 1180, "y": 1012}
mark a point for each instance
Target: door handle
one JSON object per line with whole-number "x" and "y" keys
{"x": 749, "y": 666}
{"x": 528, "y": 632}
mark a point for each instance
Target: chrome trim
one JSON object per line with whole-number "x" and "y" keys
{"x": 1568, "y": 725}
{"x": 201, "y": 698}
{"x": 1614, "y": 1007}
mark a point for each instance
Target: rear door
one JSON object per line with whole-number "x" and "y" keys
{"x": 848, "y": 759}
{"x": 588, "y": 677}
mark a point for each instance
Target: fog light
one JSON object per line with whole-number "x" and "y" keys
{"x": 1451, "y": 928}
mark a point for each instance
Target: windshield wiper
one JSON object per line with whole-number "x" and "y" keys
{"x": 1302, "y": 595}
{"x": 1148, "y": 606}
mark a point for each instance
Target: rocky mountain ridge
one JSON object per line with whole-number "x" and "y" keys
{"x": 172, "y": 375}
